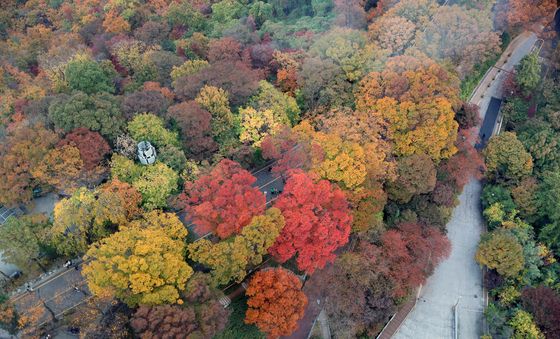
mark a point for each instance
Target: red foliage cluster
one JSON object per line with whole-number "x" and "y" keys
{"x": 93, "y": 148}
{"x": 466, "y": 163}
{"x": 196, "y": 129}
{"x": 318, "y": 222}
{"x": 409, "y": 254}
{"x": 287, "y": 150}
{"x": 544, "y": 303}
{"x": 223, "y": 201}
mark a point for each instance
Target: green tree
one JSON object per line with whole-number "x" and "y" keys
{"x": 501, "y": 251}
{"x": 284, "y": 107}
{"x": 156, "y": 183}
{"x": 529, "y": 72}
{"x": 506, "y": 158}
{"x": 150, "y": 127}
{"x": 98, "y": 112}
{"x": 416, "y": 175}
{"x": 142, "y": 263}
{"x": 23, "y": 238}
{"x": 90, "y": 76}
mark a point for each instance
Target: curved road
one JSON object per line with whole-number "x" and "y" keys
{"x": 459, "y": 278}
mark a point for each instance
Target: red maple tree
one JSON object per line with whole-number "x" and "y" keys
{"x": 223, "y": 201}
{"x": 93, "y": 148}
{"x": 276, "y": 302}
{"x": 409, "y": 254}
{"x": 318, "y": 222}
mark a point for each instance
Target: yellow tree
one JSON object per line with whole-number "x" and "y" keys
{"x": 230, "y": 259}
{"x": 61, "y": 168}
{"x": 142, "y": 263}
{"x": 85, "y": 217}
{"x": 255, "y": 125}
{"x": 426, "y": 127}
{"x": 339, "y": 161}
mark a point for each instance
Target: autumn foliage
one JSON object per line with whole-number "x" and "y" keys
{"x": 223, "y": 201}
{"x": 409, "y": 254}
{"x": 276, "y": 302}
{"x": 317, "y": 222}
{"x": 93, "y": 148}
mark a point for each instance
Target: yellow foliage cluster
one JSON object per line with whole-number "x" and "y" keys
{"x": 255, "y": 125}
{"x": 230, "y": 259}
{"x": 142, "y": 263}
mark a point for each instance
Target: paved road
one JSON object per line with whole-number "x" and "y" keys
{"x": 57, "y": 294}
{"x": 459, "y": 278}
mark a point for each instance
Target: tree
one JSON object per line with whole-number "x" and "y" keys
{"x": 357, "y": 296}
{"x": 416, "y": 175}
{"x": 98, "y": 112}
{"x": 128, "y": 196}
{"x": 61, "y": 168}
{"x": 156, "y": 183}
{"x": 236, "y": 78}
{"x": 524, "y": 326}
{"x": 231, "y": 258}
{"x": 349, "y": 14}
{"x": 461, "y": 35}
{"x": 348, "y": 49}
{"x": 283, "y": 106}
{"x": 215, "y": 100}
{"x": 355, "y": 127}
{"x": 408, "y": 255}
{"x": 427, "y": 127}
{"x": 146, "y": 101}
{"x": 142, "y": 263}
{"x": 276, "y": 301}
{"x": 93, "y": 148}
{"x": 21, "y": 151}
{"x": 468, "y": 116}
{"x": 408, "y": 78}
{"x": 524, "y": 195}
{"x": 500, "y": 250}
{"x": 528, "y": 72}
{"x": 542, "y": 142}
{"x": 256, "y": 125}
{"x": 151, "y": 128}
{"x": 223, "y": 201}
{"x": 506, "y": 158}
{"x": 323, "y": 84}
{"x": 339, "y": 161}
{"x": 392, "y": 33}
{"x": 544, "y": 304}
{"x": 201, "y": 316}
{"x": 23, "y": 238}
{"x": 530, "y": 14}
{"x": 547, "y": 196}
{"x": 86, "y": 217}
{"x": 195, "y": 125}
{"x": 89, "y": 76}
{"x": 310, "y": 209}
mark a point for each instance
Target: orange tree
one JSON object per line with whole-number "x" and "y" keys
{"x": 276, "y": 302}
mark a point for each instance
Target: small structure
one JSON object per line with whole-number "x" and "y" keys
{"x": 146, "y": 153}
